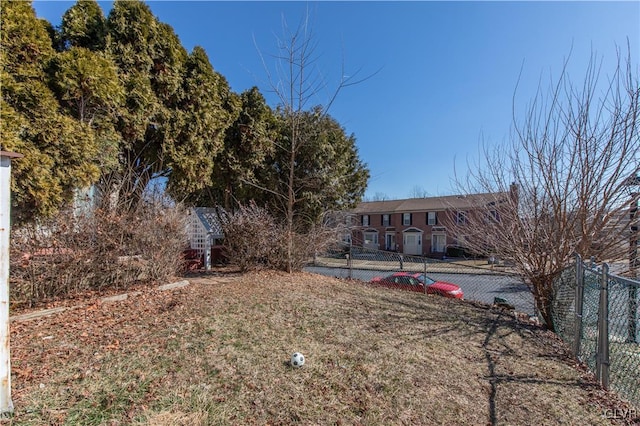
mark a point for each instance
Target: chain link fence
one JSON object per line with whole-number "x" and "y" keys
{"x": 596, "y": 313}
{"x": 479, "y": 280}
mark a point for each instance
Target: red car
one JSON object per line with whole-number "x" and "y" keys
{"x": 415, "y": 281}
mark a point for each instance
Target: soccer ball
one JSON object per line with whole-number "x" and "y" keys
{"x": 297, "y": 359}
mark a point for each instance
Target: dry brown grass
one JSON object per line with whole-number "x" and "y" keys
{"x": 216, "y": 352}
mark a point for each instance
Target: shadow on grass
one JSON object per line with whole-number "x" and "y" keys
{"x": 498, "y": 332}
{"x": 492, "y": 357}
{"x": 491, "y": 366}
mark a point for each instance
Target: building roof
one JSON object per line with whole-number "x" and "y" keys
{"x": 429, "y": 204}
{"x": 209, "y": 217}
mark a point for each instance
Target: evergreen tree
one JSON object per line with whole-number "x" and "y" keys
{"x": 176, "y": 108}
{"x": 150, "y": 60}
{"x": 327, "y": 174}
{"x": 205, "y": 109}
{"x": 119, "y": 101}
{"x": 84, "y": 25}
{"x": 247, "y": 144}
{"x": 60, "y": 153}
{"x": 89, "y": 89}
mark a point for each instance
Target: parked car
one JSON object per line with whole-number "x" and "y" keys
{"x": 416, "y": 281}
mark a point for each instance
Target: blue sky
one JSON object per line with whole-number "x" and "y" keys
{"x": 444, "y": 73}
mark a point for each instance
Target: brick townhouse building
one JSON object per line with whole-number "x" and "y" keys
{"x": 420, "y": 226}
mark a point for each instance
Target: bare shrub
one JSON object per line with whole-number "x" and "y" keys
{"x": 319, "y": 238}
{"x": 255, "y": 240}
{"x": 96, "y": 250}
{"x": 42, "y": 263}
{"x": 252, "y": 238}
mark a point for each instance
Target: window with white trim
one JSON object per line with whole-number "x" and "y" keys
{"x": 432, "y": 218}
{"x": 406, "y": 219}
{"x": 386, "y": 220}
{"x": 365, "y": 220}
{"x": 371, "y": 237}
{"x": 461, "y": 218}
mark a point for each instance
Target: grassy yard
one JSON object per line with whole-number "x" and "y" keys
{"x": 216, "y": 353}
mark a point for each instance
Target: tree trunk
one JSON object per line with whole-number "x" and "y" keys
{"x": 543, "y": 295}
{"x": 290, "y": 203}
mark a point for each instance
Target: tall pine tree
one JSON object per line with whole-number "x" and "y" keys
{"x": 205, "y": 110}
{"x": 60, "y": 152}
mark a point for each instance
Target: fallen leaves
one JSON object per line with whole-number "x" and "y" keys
{"x": 220, "y": 347}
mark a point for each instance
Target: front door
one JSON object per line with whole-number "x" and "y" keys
{"x": 438, "y": 243}
{"x": 390, "y": 241}
{"x": 412, "y": 243}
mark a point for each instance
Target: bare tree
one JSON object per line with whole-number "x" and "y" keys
{"x": 378, "y": 196}
{"x": 559, "y": 185}
{"x": 418, "y": 192}
{"x": 298, "y": 83}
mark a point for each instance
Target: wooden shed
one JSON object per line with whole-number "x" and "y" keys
{"x": 204, "y": 228}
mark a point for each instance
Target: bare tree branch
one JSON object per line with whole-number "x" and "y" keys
{"x": 297, "y": 83}
{"x": 560, "y": 184}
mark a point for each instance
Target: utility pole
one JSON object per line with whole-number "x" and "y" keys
{"x": 6, "y": 404}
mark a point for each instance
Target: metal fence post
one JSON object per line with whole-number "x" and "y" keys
{"x": 633, "y": 311}
{"x": 425, "y": 276}
{"x": 633, "y": 263}
{"x": 349, "y": 256}
{"x": 602, "y": 352}
{"x": 579, "y": 301}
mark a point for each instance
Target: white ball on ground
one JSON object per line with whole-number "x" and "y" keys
{"x": 297, "y": 360}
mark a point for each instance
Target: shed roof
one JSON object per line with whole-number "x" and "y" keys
{"x": 210, "y": 219}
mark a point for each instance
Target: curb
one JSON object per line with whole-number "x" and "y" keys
{"x": 108, "y": 299}
{"x": 39, "y": 314}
